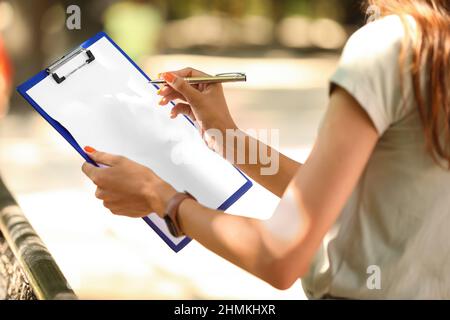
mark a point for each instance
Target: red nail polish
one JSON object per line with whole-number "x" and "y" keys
{"x": 89, "y": 149}
{"x": 169, "y": 77}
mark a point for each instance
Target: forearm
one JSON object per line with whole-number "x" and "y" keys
{"x": 264, "y": 164}
{"x": 236, "y": 239}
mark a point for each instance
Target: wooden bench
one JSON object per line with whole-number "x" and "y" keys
{"x": 27, "y": 269}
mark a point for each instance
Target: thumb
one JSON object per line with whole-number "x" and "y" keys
{"x": 179, "y": 84}
{"x": 101, "y": 157}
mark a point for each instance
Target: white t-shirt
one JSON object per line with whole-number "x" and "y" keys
{"x": 392, "y": 239}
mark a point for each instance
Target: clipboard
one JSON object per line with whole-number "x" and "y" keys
{"x": 99, "y": 81}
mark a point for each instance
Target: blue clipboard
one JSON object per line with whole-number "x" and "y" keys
{"x": 23, "y": 88}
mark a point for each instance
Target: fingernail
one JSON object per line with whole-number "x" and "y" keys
{"x": 169, "y": 77}
{"x": 158, "y": 92}
{"x": 89, "y": 149}
{"x": 161, "y": 102}
{"x": 159, "y": 76}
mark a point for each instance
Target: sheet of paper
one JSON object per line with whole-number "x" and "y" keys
{"x": 110, "y": 106}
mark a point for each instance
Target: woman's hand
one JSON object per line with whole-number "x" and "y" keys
{"x": 126, "y": 187}
{"x": 204, "y": 103}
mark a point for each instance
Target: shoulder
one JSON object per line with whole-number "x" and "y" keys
{"x": 381, "y": 38}
{"x": 369, "y": 68}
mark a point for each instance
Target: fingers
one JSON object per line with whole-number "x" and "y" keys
{"x": 89, "y": 170}
{"x": 180, "y": 85}
{"x": 178, "y": 88}
{"x": 173, "y": 96}
{"x": 102, "y": 157}
{"x": 182, "y": 108}
{"x": 97, "y": 174}
{"x": 170, "y": 93}
{"x": 100, "y": 193}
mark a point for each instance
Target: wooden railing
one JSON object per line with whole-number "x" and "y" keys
{"x": 32, "y": 271}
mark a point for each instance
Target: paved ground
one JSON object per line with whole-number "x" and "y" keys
{"x": 104, "y": 256}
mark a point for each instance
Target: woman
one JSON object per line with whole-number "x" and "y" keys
{"x": 367, "y": 214}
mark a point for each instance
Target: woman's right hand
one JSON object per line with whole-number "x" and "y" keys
{"x": 203, "y": 103}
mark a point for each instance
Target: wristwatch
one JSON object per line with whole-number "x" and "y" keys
{"x": 171, "y": 214}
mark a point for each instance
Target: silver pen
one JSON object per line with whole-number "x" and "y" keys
{"x": 221, "y": 77}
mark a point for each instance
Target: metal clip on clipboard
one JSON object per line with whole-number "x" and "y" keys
{"x": 51, "y": 70}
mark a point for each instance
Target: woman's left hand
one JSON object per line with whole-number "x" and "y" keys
{"x": 126, "y": 187}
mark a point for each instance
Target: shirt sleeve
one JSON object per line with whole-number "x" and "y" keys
{"x": 369, "y": 70}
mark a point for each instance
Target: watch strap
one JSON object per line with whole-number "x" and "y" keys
{"x": 171, "y": 214}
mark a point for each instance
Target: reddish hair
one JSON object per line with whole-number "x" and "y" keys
{"x": 431, "y": 50}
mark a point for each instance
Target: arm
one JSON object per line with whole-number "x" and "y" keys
{"x": 317, "y": 193}
{"x": 206, "y": 105}
{"x": 320, "y": 190}
{"x": 275, "y": 182}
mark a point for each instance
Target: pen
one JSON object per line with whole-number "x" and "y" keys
{"x": 221, "y": 77}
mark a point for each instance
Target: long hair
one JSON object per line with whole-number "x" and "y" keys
{"x": 430, "y": 50}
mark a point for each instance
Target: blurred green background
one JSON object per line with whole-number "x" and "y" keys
{"x": 288, "y": 48}
{"x": 35, "y": 31}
